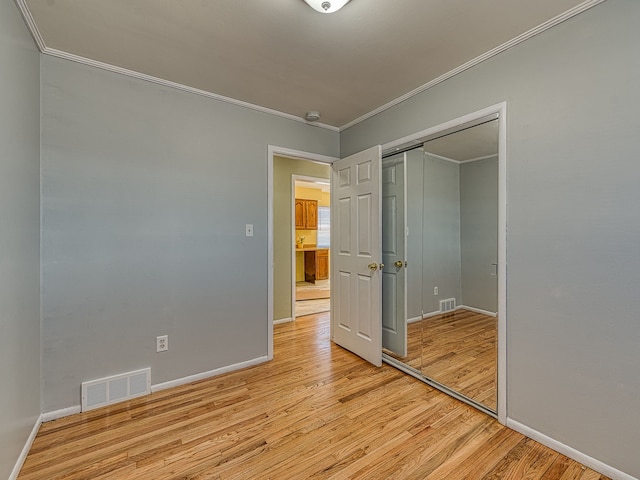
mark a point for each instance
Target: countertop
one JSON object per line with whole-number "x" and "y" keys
{"x": 310, "y": 248}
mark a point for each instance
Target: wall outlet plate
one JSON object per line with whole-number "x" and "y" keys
{"x": 162, "y": 343}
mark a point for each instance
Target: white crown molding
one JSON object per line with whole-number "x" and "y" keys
{"x": 26, "y": 13}
{"x": 477, "y": 159}
{"x": 442, "y": 157}
{"x": 31, "y": 24}
{"x": 185, "y": 88}
{"x": 572, "y": 12}
{"x": 33, "y": 28}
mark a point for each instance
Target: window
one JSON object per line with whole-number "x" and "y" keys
{"x": 324, "y": 225}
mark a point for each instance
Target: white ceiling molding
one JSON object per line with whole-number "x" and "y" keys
{"x": 460, "y": 162}
{"x": 167, "y": 83}
{"x": 485, "y": 56}
{"x": 33, "y": 28}
{"x": 31, "y": 24}
{"x": 26, "y": 13}
{"x": 442, "y": 157}
{"x": 485, "y": 157}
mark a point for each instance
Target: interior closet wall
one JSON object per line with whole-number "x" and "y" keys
{"x": 440, "y": 232}
{"x": 479, "y": 234}
{"x": 415, "y": 200}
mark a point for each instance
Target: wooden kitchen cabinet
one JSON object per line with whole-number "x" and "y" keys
{"x": 306, "y": 214}
{"x": 322, "y": 264}
{"x": 300, "y": 214}
{"x": 316, "y": 264}
{"x": 311, "y": 210}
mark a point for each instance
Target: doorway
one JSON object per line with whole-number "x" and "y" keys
{"x": 281, "y": 164}
{"x": 311, "y": 227}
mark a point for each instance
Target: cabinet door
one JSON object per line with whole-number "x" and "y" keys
{"x": 310, "y": 266}
{"x": 311, "y": 211}
{"x": 322, "y": 264}
{"x": 300, "y": 214}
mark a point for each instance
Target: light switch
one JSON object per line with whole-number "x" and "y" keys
{"x": 249, "y": 230}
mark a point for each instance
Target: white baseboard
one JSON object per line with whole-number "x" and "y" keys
{"x": 283, "y": 320}
{"x": 431, "y": 314}
{"x": 63, "y": 412}
{"x": 211, "y": 373}
{"x": 25, "y": 449}
{"x": 476, "y": 310}
{"x": 414, "y": 319}
{"x": 590, "y": 462}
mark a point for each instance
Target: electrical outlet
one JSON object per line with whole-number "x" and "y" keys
{"x": 162, "y": 343}
{"x": 435, "y": 290}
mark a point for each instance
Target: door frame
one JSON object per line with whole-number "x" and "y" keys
{"x": 499, "y": 109}
{"x": 273, "y": 151}
{"x": 294, "y": 178}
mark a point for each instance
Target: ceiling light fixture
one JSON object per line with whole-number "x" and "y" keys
{"x": 325, "y": 6}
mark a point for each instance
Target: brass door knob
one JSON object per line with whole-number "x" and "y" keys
{"x": 373, "y": 266}
{"x": 399, "y": 264}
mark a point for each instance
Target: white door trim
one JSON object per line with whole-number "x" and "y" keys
{"x": 501, "y": 110}
{"x": 273, "y": 150}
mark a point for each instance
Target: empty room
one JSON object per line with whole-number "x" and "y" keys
{"x": 466, "y": 220}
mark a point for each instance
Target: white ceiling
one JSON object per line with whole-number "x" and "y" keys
{"x": 324, "y": 186}
{"x": 473, "y": 143}
{"x": 283, "y": 55}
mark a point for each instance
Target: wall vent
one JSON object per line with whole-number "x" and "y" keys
{"x": 447, "y": 305}
{"x": 114, "y": 389}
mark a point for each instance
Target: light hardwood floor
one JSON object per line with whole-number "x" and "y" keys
{"x": 315, "y": 412}
{"x": 459, "y": 350}
{"x": 312, "y": 298}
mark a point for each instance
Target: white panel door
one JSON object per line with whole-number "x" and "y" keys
{"x": 394, "y": 296}
{"x": 356, "y": 285}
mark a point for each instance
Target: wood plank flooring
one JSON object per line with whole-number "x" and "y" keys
{"x": 315, "y": 412}
{"x": 458, "y": 349}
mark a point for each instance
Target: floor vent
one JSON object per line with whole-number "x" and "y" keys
{"x": 448, "y": 305}
{"x": 114, "y": 389}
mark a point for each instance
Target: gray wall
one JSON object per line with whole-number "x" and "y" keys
{"x": 19, "y": 236}
{"x": 283, "y": 168}
{"x": 573, "y": 231}
{"x": 479, "y": 233}
{"x": 440, "y": 232}
{"x": 415, "y": 167}
{"x": 146, "y": 191}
